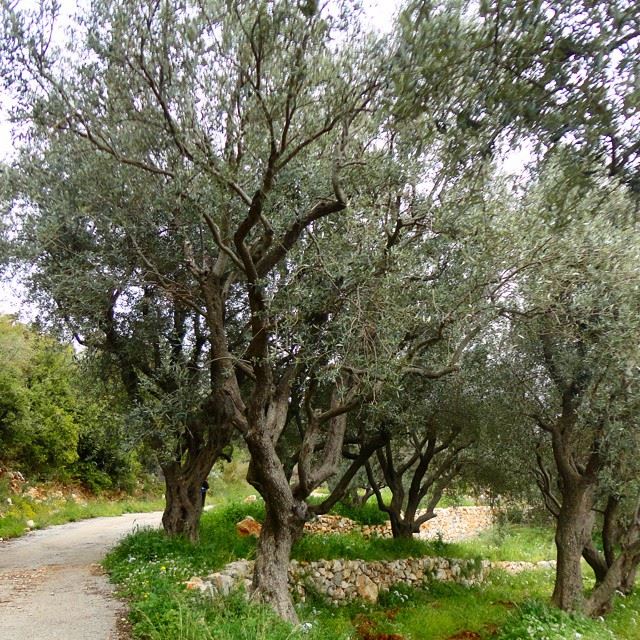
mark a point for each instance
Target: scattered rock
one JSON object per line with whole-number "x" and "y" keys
{"x": 222, "y": 583}
{"x": 30, "y": 524}
{"x": 248, "y": 527}
{"x": 249, "y": 499}
{"x": 15, "y": 478}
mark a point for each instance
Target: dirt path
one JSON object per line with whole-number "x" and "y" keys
{"x": 51, "y": 586}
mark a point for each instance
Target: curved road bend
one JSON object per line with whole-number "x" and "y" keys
{"x": 51, "y": 585}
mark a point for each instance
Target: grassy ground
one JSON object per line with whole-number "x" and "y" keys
{"x": 14, "y": 516}
{"x": 151, "y": 568}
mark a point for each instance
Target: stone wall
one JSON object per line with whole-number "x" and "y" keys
{"x": 451, "y": 524}
{"x": 343, "y": 580}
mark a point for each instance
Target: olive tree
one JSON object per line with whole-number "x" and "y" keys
{"x": 574, "y": 322}
{"x": 426, "y": 451}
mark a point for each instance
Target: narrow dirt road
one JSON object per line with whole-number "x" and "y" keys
{"x": 51, "y": 585}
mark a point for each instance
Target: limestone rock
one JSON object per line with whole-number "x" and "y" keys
{"x": 195, "y": 583}
{"x": 248, "y": 527}
{"x": 240, "y": 569}
{"x": 366, "y": 588}
{"x": 222, "y": 583}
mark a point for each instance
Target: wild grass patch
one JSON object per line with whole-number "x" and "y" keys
{"x": 15, "y": 515}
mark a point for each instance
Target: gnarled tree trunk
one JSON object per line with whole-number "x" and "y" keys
{"x": 601, "y": 600}
{"x": 283, "y": 525}
{"x": 185, "y": 476}
{"x": 184, "y": 503}
{"x": 573, "y": 533}
{"x": 280, "y": 530}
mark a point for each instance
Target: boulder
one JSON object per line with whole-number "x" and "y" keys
{"x": 248, "y": 527}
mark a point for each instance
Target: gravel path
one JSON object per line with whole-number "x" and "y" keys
{"x": 51, "y": 585}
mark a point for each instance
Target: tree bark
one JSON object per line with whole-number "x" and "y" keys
{"x": 596, "y": 561}
{"x": 573, "y": 532}
{"x": 184, "y": 503}
{"x": 601, "y": 599}
{"x": 271, "y": 573}
{"x": 283, "y": 525}
{"x": 629, "y": 580}
{"x": 401, "y": 527}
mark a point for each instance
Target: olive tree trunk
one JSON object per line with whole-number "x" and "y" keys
{"x": 183, "y": 505}
{"x": 283, "y": 525}
{"x": 271, "y": 573}
{"x": 573, "y": 532}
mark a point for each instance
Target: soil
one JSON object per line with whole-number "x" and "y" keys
{"x": 52, "y": 586}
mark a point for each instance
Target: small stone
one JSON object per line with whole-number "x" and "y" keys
{"x": 31, "y": 524}
{"x": 194, "y": 583}
{"x": 222, "y": 583}
{"x": 251, "y": 498}
{"x": 248, "y": 527}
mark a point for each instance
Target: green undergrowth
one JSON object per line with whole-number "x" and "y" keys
{"x": 505, "y": 543}
{"x": 509, "y": 542}
{"x": 367, "y": 514}
{"x": 15, "y": 515}
{"x": 151, "y": 569}
{"x": 227, "y": 482}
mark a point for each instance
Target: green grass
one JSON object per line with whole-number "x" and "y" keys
{"x": 366, "y": 514}
{"x": 507, "y": 542}
{"x": 510, "y": 542}
{"x": 14, "y": 517}
{"x": 227, "y": 482}
{"x": 439, "y": 611}
{"x": 150, "y": 570}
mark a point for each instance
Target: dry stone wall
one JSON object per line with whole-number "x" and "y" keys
{"x": 450, "y": 524}
{"x": 343, "y": 580}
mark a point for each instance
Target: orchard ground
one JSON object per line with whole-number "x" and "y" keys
{"x": 151, "y": 570}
